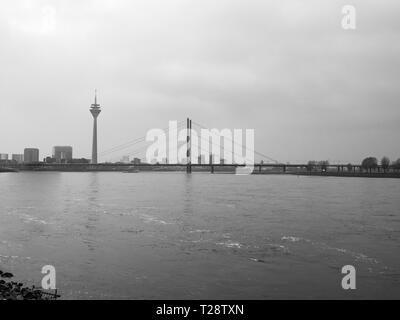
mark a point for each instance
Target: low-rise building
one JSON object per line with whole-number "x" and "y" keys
{"x": 125, "y": 159}
{"x": 19, "y": 158}
{"x": 62, "y": 154}
{"x": 31, "y": 155}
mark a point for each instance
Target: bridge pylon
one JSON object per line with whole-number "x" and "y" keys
{"x": 189, "y": 145}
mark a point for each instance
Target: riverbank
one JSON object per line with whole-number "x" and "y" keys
{"x": 217, "y": 169}
{"x": 5, "y": 169}
{"x": 12, "y": 290}
{"x": 392, "y": 175}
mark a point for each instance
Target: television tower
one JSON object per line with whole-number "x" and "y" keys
{"x": 95, "y": 111}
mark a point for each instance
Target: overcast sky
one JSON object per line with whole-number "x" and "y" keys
{"x": 287, "y": 69}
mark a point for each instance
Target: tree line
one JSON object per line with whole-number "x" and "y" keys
{"x": 370, "y": 164}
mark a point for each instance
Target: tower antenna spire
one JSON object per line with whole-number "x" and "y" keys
{"x": 95, "y": 104}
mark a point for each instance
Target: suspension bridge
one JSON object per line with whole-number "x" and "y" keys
{"x": 201, "y": 152}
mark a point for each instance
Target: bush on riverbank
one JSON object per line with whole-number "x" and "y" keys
{"x": 11, "y": 290}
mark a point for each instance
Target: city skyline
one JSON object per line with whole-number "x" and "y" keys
{"x": 306, "y": 93}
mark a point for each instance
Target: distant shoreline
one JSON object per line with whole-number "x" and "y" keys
{"x": 221, "y": 170}
{"x": 339, "y": 174}
{"x": 7, "y": 170}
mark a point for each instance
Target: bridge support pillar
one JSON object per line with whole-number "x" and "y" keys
{"x": 212, "y": 169}
{"x": 189, "y": 146}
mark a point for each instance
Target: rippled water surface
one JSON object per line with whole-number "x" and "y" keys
{"x": 174, "y": 236}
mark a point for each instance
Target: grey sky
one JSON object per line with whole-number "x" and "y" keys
{"x": 310, "y": 89}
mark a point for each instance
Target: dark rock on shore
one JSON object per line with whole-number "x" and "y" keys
{"x": 6, "y": 274}
{"x": 11, "y": 290}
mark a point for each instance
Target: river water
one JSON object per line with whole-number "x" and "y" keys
{"x": 201, "y": 236}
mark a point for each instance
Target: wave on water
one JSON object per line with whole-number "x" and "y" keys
{"x": 230, "y": 244}
{"x": 199, "y": 231}
{"x": 18, "y": 210}
{"x": 258, "y": 260}
{"x": 356, "y": 255}
{"x": 278, "y": 248}
{"x": 324, "y": 246}
{"x": 291, "y": 239}
{"x": 131, "y": 230}
{"x": 151, "y": 219}
{"x": 28, "y": 218}
{"x": 5, "y": 257}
